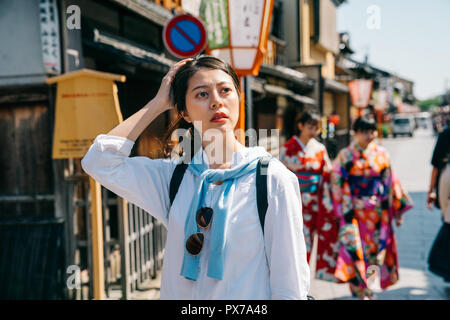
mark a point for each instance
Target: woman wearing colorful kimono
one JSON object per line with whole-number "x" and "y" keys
{"x": 367, "y": 198}
{"x": 308, "y": 159}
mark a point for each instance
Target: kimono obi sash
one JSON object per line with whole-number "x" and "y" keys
{"x": 365, "y": 186}
{"x": 308, "y": 181}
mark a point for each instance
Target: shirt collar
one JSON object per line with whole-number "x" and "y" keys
{"x": 370, "y": 146}
{"x": 237, "y": 156}
{"x": 300, "y": 143}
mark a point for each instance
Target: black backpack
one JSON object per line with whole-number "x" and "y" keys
{"x": 261, "y": 188}
{"x": 261, "y": 185}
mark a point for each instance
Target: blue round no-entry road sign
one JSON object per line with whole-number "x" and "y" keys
{"x": 184, "y": 36}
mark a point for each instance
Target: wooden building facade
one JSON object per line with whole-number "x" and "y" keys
{"x": 45, "y": 201}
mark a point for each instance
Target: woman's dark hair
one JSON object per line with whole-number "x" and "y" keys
{"x": 305, "y": 117}
{"x": 179, "y": 88}
{"x": 364, "y": 123}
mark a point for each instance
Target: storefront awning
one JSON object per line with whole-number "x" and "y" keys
{"x": 277, "y": 90}
{"x": 335, "y": 86}
{"x": 407, "y": 108}
{"x": 269, "y": 88}
{"x": 115, "y": 44}
{"x": 289, "y": 74}
{"x": 257, "y": 85}
{"x": 147, "y": 9}
{"x": 303, "y": 99}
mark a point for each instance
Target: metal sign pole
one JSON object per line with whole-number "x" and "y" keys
{"x": 248, "y": 95}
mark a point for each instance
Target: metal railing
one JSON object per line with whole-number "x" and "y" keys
{"x": 131, "y": 258}
{"x": 142, "y": 240}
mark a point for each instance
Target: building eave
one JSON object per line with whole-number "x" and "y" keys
{"x": 282, "y": 72}
{"x": 151, "y": 11}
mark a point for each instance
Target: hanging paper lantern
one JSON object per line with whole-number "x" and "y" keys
{"x": 360, "y": 92}
{"x": 334, "y": 119}
{"x": 238, "y": 31}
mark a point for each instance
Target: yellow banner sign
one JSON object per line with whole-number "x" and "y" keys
{"x": 86, "y": 106}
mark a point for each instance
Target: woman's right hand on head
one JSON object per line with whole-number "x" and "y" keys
{"x": 163, "y": 96}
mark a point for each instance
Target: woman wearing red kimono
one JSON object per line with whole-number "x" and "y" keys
{"x": 308, "y": 159}
{"x": 367, "y": 198}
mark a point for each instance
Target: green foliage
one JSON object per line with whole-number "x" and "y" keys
{"x": 425, "y": 105}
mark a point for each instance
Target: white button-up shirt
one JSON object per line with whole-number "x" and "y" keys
{"x": 257, "y": 266}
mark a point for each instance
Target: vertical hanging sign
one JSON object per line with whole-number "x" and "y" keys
{"x": 48, "y": 16}
{"x": 216, "y": 15}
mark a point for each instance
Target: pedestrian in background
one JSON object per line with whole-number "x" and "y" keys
{"x": 439, "y": 195}
{"x": 308, "y": 159}
{"x": 367, "y": 198}
{"x": 215, "y": 247}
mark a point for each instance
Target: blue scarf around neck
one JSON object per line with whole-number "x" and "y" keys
{"x": 218, "y": 226}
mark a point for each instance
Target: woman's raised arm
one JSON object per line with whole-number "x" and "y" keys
{"x": 140, "y": 180}
{"x": 132, "y": 127}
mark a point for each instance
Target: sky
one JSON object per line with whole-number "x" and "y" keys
{"x": 410, "y": 38}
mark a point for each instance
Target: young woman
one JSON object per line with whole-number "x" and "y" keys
{"x": 215, "y": 248}
{"x": 308, "y": 159}
{"x": 439, "y": 256}
{"x": 367, "y": 198}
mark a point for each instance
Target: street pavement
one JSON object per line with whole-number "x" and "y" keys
{"x": 410, "y": 158}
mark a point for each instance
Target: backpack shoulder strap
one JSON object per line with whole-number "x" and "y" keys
{"x": 176, "y": 179}
{"x": 261, "y": 188}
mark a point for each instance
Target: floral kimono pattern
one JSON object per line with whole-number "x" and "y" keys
{"x": 367, "y": 197}
{"x": 312, "y": 167}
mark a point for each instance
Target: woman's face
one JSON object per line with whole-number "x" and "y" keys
{"x": 363, "y": 138}
{"x": 308, "y": 130}
{"x": 212, "y": 100}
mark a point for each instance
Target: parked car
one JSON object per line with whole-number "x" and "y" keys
{"x": 423, "y": 120}
{"x": 403, "y": 124}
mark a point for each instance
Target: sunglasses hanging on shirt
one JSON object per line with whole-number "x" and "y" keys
{"x": 194, "y": 243}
